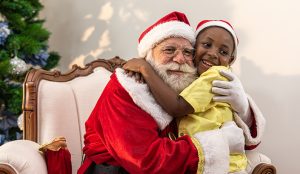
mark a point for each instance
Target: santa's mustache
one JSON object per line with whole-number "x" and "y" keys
{"x": 177, "y": 67}
{"x": 178, "y": 83}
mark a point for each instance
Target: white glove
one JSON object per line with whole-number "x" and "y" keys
{"x": 232, "y": 92}
{"x": 234, "y": 136}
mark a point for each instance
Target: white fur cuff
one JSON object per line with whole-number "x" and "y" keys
{"x": 216, "y": 151}
{"x": 259, "y": 121}
{"x": 234, "y": 136}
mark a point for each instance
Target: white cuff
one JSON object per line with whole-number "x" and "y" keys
{"x": 235, "y": 137}
{"x": 259, "y": 121}
{"x": 216, "y": 151}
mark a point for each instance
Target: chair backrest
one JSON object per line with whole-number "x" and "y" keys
{"x": 56, "y": 104}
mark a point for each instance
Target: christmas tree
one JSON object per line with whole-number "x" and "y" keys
{"x": 23, "y": 45}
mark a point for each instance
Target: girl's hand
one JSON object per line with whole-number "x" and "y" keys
{"x": 136, "y": 65}
{"x": 137, "y": 76}
{"x": 133, "y": 68}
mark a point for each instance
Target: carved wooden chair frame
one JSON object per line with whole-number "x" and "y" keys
{"x": 31, "y": 85}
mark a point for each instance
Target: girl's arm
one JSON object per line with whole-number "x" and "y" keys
{"x": 170, "y": 101}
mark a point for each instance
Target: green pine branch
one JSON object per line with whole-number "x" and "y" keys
{"x": 52, "y": 60}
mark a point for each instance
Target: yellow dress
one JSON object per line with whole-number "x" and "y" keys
{"x": 208, "y": 115}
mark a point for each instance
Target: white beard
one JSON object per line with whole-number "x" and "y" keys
{"x": 178, "y": 83}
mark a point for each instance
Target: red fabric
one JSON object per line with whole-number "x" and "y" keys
{"x": 58, "y": 162}
{"x": 253, "y": 131}
{"x": 172, "y": 127}
{"x": 118, "y": 132}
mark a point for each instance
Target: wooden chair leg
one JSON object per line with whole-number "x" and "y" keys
{"x": 264, "y": 168}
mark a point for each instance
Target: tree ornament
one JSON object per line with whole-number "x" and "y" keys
{"x": 21, "y": 122}
{"x": 39, "y": 59}
{"x": 18, "y": 66}
{"x": 4, "y": 32}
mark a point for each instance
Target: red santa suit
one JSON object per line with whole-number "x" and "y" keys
{"x": 128, "y": 128}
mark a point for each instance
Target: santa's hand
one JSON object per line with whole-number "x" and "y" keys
{"x": 234, "y": 136}
{"x": 232, "y": 92}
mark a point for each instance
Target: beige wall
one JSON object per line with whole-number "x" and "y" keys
{"x": 268, "y": 55}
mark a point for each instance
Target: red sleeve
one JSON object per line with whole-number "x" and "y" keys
{"x": 132, "y": 136}
{"x": 171, "y": 128}
{"x": 253, "y": 131}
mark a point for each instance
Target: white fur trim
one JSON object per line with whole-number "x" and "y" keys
{"x": 259, "y": 121}
{"x": 142, "y": 97}
{"x": 216, "y": 151}
{"x": 234, "y": 136}
{"x": 222, "y": 25}
{"x": 163, "y": 31}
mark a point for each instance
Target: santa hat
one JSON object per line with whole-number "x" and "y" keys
{"x": 174, "y": 24}
{"x": 223, "y": 24}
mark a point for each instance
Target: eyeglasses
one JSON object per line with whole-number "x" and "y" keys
{"x": 170, "y": 51}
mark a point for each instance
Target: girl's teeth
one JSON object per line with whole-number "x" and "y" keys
{"x": 207, "y": 63}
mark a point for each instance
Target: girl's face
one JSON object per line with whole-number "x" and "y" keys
{"x": 214, "y": 47}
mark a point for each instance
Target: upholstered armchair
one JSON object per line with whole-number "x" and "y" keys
{"x": 56, "y": 104}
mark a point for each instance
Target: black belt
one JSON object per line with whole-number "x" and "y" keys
{"x": 105, "y": 169}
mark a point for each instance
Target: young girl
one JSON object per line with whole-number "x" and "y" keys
{"x": 215, "y": 46}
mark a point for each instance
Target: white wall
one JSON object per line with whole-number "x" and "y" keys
{"x": 267, "y": 65}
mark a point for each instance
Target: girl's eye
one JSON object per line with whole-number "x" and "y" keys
{"x": 223, "y": 53}
{"x": 206, "y": 45}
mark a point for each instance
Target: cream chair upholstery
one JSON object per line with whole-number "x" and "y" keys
{"x": 58, "y": 104}
{"x": 65, "y": 113}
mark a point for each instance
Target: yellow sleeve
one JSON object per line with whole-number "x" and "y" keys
{"x": 198, "y": 94}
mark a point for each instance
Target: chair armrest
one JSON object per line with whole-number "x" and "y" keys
{"x": 22, "y": 157}
{"x": 259, "y": 163}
